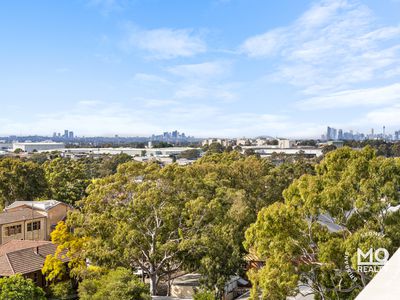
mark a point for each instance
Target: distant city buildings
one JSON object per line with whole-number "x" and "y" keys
{"x": 68, "y": 135}
{"x": 174, "y": 136}
{"x": 333, "y": 134}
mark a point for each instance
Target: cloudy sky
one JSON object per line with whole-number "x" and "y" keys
{"x": 207, "y": 68}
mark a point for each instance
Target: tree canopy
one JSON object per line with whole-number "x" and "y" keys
{"x": 114, "y": 284}
{"x": 20, "y": 180}
{"x": 16, "y": 287}
{"x": 161, "y": 219}
{"x": 324, "y": 219}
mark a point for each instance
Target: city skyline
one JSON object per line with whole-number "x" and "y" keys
{"x": 212, "y": 68}
{"x": 331, "y": 133}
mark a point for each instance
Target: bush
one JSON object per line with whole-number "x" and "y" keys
{"x": 118, "y": 284}
{"x": 16, "y": 287}
{"x": 204, "y": 295}
{"x": 62, "y": 289}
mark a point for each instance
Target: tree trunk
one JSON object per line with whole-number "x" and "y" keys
{"x": 153, "y": 283}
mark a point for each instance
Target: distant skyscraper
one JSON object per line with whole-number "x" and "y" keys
{"x": 71, "y": 135}
{"x": 340, "y": 134}
{"x": 54, "y": 134}
{"x": 65, "y": 134}
{"x": 331, "y": 133}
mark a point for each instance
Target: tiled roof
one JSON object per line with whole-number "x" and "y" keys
{"x": 21, "y": 259}
{"x": 19, "y": 215}
{"x": 15, "y": 245}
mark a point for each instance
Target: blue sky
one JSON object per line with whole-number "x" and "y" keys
{"x": 208, "y": 68}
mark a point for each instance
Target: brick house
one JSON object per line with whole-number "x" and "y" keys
{"x": 27, "y": 258}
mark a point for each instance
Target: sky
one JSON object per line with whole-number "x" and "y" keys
{"x": 209, "y": 68}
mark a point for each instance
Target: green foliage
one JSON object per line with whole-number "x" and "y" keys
{"x": 53, "y": 268}
{"x": 62, "y": 289}
{"x": 190, "y": 154}
{"x": 118, "y": 284}
{"x": 16, "y": 287}
{"x": 215, "y": 148}
{"x": 20, "y": 180}
{"x": 204, "y": 295}
{"x": 354, "y": 190}
{"x": 328, "y": 148}
{"x": 67, "y": 179}
{"x": 105, "y": 165}
{"x": 160, "y": 219}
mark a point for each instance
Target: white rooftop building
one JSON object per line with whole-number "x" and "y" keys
{"x": 38, "y": 146}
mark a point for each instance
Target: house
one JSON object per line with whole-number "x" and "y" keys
{"x": 26, "y": 258}
{"x": 22, "y": 224}
{"x": 54, "y": 211}
{"x": 185, "y": 286}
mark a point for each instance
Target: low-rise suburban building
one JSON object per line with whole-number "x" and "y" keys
{"x": 22, "y": 224}
{"x": 285, "y": 143}
{"x": 38, "y": 146}
{"x": 26, "y": 258}
{"x": 31, "y": 220}
{"x": 185, "y": 286}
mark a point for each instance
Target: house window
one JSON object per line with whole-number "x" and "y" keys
{"x": 33, "y": 226}
{"x": 12, "y": 230}
{"x": 35, "y": 277}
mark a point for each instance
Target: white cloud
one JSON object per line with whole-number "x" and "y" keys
{"x": 167, "y": 43}
{"x": 159, "y": 102}
{"x": 388, "y": 115}
{"x": 265, "y": 44}
{"x": 200, "y": 70}
{"x": 333, "y": 45}
{"x": 352, "y": 98}
{"x": 150, "y": 78}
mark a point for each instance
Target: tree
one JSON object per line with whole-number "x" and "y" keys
{"x": 62, "y": 290}
{"x": 190, "y": 154}
{"x": 67, "y": 179}
{"x": 73, "y": 247}
{"x": 111, "y": 164}
{"x": 16, "y": 287}
{"x": 215, "y": 148}
{"x": 163, "y": 219}
{"x": 118, "y": 284}
{"x": 134, "y": 218}
{"x": 328, "y": 148}
{"x": 353, "y": 191}
{"x": 20, "y": 180}
{"x": 249, "y": 152}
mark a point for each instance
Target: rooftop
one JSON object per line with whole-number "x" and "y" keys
{"x": 39, "y": 205}
{"x": 23, "y": 257}
{"x": 19, "y": 215}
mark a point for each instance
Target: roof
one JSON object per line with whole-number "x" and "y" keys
{"x": 39, "y": 205}
{"x": 15, "y": 245}
{"x": 23, "y": 258}
{"x": 19, "y": 215}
